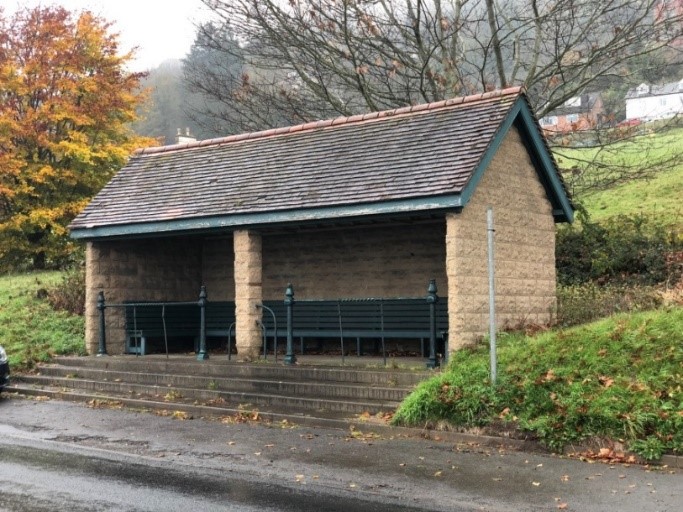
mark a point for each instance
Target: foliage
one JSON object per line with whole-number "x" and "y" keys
{"x": 583, "y": 303}
{"x": 292, "y": 62}
{"x": 171, "y": 106}
{"x": 345, "y": 57}
{"x": 66, "y": 103}
{"x": 69, "y": 294}
{"x": 617, "y": 379}
{"x": 30, "y": 329}
{"x": 213, "y": 71}
{"x": 620, "y": 249}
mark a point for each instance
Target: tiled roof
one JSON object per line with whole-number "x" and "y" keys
{"x": 656, "y": 90}
{"x": 421, "y": 151}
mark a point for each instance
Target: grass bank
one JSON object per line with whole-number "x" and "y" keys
{"x": 658, "y": 197}
{"x": 619, "y": 379}
{"x": 30, "y": 329}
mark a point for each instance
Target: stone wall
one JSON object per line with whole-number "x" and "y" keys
{"x": 163, "y": 269}
{"x": 218, "y": 268}
{"x": 524, "y": 249}
{"x": 396, "y": 260}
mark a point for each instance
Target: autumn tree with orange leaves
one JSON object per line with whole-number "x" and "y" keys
{"x": 66, "y": 101}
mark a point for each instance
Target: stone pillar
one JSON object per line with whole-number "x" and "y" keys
{"x": 91, "y": 290}
{"x": 248, "y": 293}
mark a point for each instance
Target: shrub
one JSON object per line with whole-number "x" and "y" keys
{"x": 69, "y": 294}
{"x": 583, "y": 303}
{"x": 623, "y": 249}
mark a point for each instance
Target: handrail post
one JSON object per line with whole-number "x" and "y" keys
{"x": 102, "y": 350}
{"x": 202, "y": 355}
{"x": 432, "y": 299}
{"x": 290, "y": 358}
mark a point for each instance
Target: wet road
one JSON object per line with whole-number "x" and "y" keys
{"x": 42, "y": 478}
{"x": 63, "y": 456}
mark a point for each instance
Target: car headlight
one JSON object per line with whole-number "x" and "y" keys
{"x": 3, "y": 355}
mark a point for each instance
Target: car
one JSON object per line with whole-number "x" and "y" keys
{"x": 4, "y": 369}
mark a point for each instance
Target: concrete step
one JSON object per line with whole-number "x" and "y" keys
{"x": 334, "y": 390}
{"x": 310, "y": 368}
{"x": 315, "y": 391}
{"x": 176, "y": 394}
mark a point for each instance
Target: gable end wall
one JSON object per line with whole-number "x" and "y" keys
{"x": 524, "y": 249}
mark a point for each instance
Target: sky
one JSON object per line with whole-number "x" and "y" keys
{"x": 161, "y": 29}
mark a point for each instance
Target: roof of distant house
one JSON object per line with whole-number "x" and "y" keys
{"x": 644, "y": 90}
{"x": 578, "y": 105}
{"x": 418, "y": 158}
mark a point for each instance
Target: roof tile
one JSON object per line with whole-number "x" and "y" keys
{"x": 418, "y": 151}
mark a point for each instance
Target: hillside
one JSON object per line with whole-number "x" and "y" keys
{"x": 30, "y": 330}
{"x": 660, "y": 197}
{"x": 617, "y": 379}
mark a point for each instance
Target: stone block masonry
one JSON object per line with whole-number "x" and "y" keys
{"x": 524, "y": 249}
{"x": 163, "y": 269}
{"x": 394, "y": 260}
{"x": 248, "y": 293}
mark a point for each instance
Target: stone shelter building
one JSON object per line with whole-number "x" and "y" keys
{"x": 370, "y": 205}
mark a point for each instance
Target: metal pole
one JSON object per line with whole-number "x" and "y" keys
{"x": 492, "y": 294}
{"x": 102, "y": 351}
{"x": 432, "y": 299}
{"x": 290, "y": 358}
{"x": 202, "y": 355}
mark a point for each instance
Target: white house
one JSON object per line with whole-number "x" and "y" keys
{"x": 650, "y": 102}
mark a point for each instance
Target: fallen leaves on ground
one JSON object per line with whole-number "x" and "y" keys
{"x": 609, "y": 456}
{"x": 356, "y": 434}
{"x": 105, "y": 404}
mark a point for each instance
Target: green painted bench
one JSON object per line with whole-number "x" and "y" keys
{"x": 359, "y": 319}
{"x": 177, "y": 322}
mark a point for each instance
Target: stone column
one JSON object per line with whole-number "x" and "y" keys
{"x": 248, "y": 293}
{"x": 91, "y": 290}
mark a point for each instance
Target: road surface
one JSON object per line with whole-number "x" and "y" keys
{"x": 64, "y": 456}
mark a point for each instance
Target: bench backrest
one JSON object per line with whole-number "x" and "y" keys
{"x": 179, "y": 318}
{"x": 360, "y": 315}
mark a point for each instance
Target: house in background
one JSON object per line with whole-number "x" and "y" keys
{"x": 576, "y": 114}
{"x": 650, "y": 102}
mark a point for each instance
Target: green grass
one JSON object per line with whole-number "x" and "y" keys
{"x": 620, "y": 378}
{"x": 658, "y": 197}
{"x": 30, "y": 329}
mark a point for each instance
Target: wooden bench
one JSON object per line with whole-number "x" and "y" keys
{"x": 178, "y": 322}
{"x": 373, "y": 318}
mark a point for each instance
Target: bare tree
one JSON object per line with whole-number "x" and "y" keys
{"x": 312, "y": 59}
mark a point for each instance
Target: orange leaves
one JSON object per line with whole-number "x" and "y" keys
{"x": 67, "y": 99}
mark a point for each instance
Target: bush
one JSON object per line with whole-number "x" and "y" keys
{"x": 583, "y": 303}
{"x": 69, "y": 294}
{"x": 623, "y": 249}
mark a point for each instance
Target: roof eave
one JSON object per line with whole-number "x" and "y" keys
{"x": 279, "y": 218}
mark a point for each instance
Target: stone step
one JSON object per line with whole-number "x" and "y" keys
{"x": 215, "y": 410}
{"x": 235, "y": 399}
{"x": 215, "y": 367}
{"x": 336, "y": 390}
